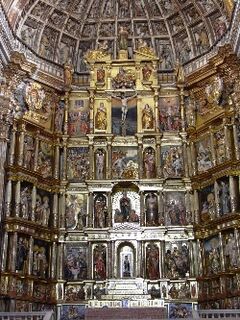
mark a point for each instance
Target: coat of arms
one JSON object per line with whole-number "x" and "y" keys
{"x": 35, "y": 96}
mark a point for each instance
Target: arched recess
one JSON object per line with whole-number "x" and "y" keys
{"x": 126, "y": 260}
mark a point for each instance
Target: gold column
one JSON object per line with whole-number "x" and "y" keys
{"x": 4, "y": 252}
{"x": 216, "y": 193}
{"x": 214, "y": 160}
{"x": 161, "y": 219}
{"x": 222, "y": 261}
{"x": 13, "y": 252}
{"x": 188, "y": 207}
{"x": 90, "y": 271}
{"x": 193, "y": 158}
{"x": 30, "y": 256}
{"x": 156, "y": 109}
{"x": 12, "y": 144}
{"x": 91, "y": 158}
{"x": 17, "y": 198}
{"x": 161, "y": 260}
{"x": 60, "y": 260}
{"x": 228, "y": 142}
{"x": 64, "y": 166}
{"x": 109, "y": 78}
{"x": 53, "y": 271}
{"x": 109, "y": 218}
{"x": 62, "y": 205}
{"x": 181, "y": 88}
{"x": 66, "y": 108}
{"x": 189, "y": 158}
{"x": 57, "y": 161}
{"x": 35, "y": 166}
{"x": 140, "y": 157}
{"x": 185, "y": 158}
{"x": 55, "y": 210}
{"x": 192, "y": 273}
{"x": 91, "y": 107}
{"x": 158, "y": 157}
{"x": 200, "y": 258}
{"x": 140, "y": 260}
{"x": 142, "y": 210}
{"x": 236, "y": 236}
{"x": 235, "y": 137}
{"x": 109, "y": 160}
{"x": 21, "y": 145}
{"x": 90, "y": 210}
{"x": 196, "y": 206}
{"x": 8, "y": 198}
{"x": 34, "y": 195}
{"x": 233, "y": 185}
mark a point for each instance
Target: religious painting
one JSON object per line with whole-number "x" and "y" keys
{"x": 45, "y": 159}
{"x": 29, "y": 152}
{"x": 212, "y": 255}
{"x": 149, "y": 163}
{"x": 78, "y": 164}
{"x": 100, "y": 262}
{"x": 101, "y": 117}
{"x": 100, "y": 164}
{"x": 125, "y": 163}
{"x": 124, "y": 115}
{"x": 72, "y": 312}
{"x": 220, "y": 146}
{"x": 22, "y": 287}
{"x": 100, "y": 210}
{"x": 76, "y": 261}
{"x": 204, "y": 154}
{"x": 22, "y": 254}
{"x": 78, "y": 117}
{"x": 43, "y": 207}
{"x": 223, "y": 194}
{"x": 179, "y": 290}
{"x": 169, "y": 114}
{"x": 180, "y": 310}
{"x": 152, "y": 261}
{"x": 151, "y": 209}
{"x": 207, "y": 204}
{"x": 74, "y": 293}
{"x": 40, "y": 259}
{"x": 126, "y": 206}
{"x": 177, "y": 260}
{"x": 175, "y": 209}
{"x": 230, "y": 250}
{"x": 76, "y": 211}
{"x": 41, "y": 292}
{"x": 25, "y": 211}
{"x": 190, "y": 111}
{"x": 172, "y": 161}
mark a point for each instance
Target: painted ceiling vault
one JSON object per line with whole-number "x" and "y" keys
{"x": 63, "y": 30}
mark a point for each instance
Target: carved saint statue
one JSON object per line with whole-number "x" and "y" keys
{"x": 100, "y": 164}
{"x": 123, "y": 38}
{"x": 68, "y": 75}
{"x": 146, "y": 73}
{"x": 101, "y": 75}
{"x": 147, "y": 117}
{"x": 126, "y": 267}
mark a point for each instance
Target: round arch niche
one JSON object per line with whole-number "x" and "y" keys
{"x": 126, "y": 261}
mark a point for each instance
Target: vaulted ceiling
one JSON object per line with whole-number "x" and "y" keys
{"x": 63, "y": 30}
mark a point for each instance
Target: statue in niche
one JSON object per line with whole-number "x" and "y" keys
{"x": 147, "y": 117}
{"x": 40, "y": 264}
{"x": 146, "y": 73}
{"x": 68, "y": 75}
{"x": 151, "y": 204}
{"x": 28, "y": 156}
{"x": 231, "y": 251}
{"x": 125, "y": 206}
{"x": 152, "y": 261}
{"x": 59, "y": 115}
{"x": 42, "y": 210}
{"x": 224, "y": 197}
{"x": 22, "y": 254}
{"x": 25, "y": 203}
{"x": 126, "y": 268}
{"x": 123, "y": 38}
{"x": 125, "y": 79}
{"x": 99, "y": 256}
{"x": 101, "y": 117}
{"x": 101, "y": 75}
{"x": 100, "y": 164}
{"x": 100, "y": 211}
{"x": 149, "y": 163}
